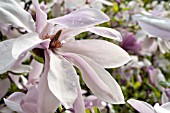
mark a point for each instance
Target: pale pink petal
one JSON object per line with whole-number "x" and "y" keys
{"x": 153, "y": 25}
{"x": 13, "y": 101}
{"x": 41, "y": 17}
{"x": 62, "y": 79}
{"x": 47, "y": 102}
{"x": 141, "y": 106}
{"x": 12, "y": 13}
{"x": 4, "y": 86}
{"x": 102, "y": 52}
{"x": 27, "y": 42}
{"x": 6, "y": 59}
{"x": 165, "y": 108}
{"x": 97, "y": 79}
{"x": 37, "y": 69}
{"x": 81, "y": 18}
{"x": 79, "y": 106}
{"x": 106, "y": 32}
{"x": 29, "y": 101}
{"x": 101, "y": 31}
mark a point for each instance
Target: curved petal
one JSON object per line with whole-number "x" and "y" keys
{"x": 102, "y": 52}
{"x": 41, "y": 17}
{"x": 106, "y": 2}
{"x": 101, "y": 31}
{"x": 13, "y": 101}
{"x": 106, "y": 32}
{"x": 154, "y": 25}
{"x": 97, "y": 79}
{"x": 62, "y": 80}
{"x": 12, "y": 13}
{"x": 79, "y": 106}
{"x": 81, "y": 18}
{"x": 141, "y": 106}
{"x": 6, "y": 59}
{"x": 29, "y": 101}
{"x": 47, "y": 102}
{"x": 37, "y": 69}
{"x": 27, "y": 42}
{"x": 4, "y": 86}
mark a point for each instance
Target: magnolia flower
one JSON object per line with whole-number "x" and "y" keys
{"x": 144, "y": 107}
{"x": 58, "y": 83}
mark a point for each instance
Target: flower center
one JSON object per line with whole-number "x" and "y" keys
{"x": 55, "y": 43}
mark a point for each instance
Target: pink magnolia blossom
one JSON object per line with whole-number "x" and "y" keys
{"x": 58, "y": 83}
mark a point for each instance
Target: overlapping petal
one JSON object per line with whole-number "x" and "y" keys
{"x": 79, "y": 103}
{"x": 81, "y": 18}
{"x": 41, "y": 17}
{"x": 12, "y": 13}
{"x": 97, "y": 79}
{"x": 6, "y": 59}
{"x": 62, "y": 79}
{"x": 153, "y": 25}
{"x": 27, "y": 42}
{"x": 13, "y": 101}
{"x": 47, "y": 102}
{"x": 4, "y": 86}
{"x": 102, "y": 52}
{"x": 29, "y": 101}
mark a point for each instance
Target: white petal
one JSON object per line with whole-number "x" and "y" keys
{"x": 13, "y": 101}
{"x": 141, "y": 106}
{"x": 12, "y": 13}
{"x": 79, "y": 106}
{"x": 102, "y": 52}
{"x": 62, "y": 79}
{"x": 106, "y": 32}
{"x": 165, "y": 108}
{"x": 6, "y": 59}
{"x": 37, "y": 69}
{"x": 25, "y": 43}
{"x": 81, "y": 18}
{"x": 41, "y": 17}
{"x": 98, "y": 79}
{"x": 47, "y": 102}
{"x": 102, "y": 31}
{"x": 154, "y": 25}
{"x": 4, "y": 86}
{"x": 29, "y": 101}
